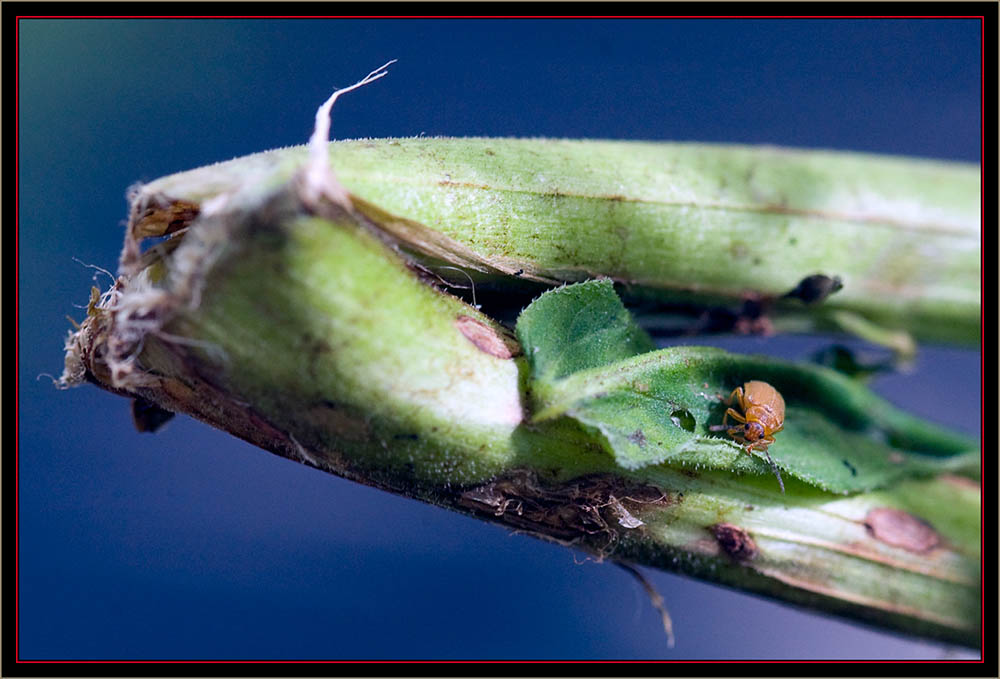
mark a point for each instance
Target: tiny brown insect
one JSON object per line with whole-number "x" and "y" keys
{"x": 763, "y": 416}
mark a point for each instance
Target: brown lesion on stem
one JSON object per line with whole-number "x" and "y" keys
{"x": 734, "y": 541}
{"x": 592, "y": 511}
{"x": 490, "y": 340}
{"x": 901, "y": 529}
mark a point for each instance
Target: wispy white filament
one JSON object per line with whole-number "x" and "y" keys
{"x": 319, "y": 177}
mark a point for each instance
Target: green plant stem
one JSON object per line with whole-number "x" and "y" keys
{"x": 678, "y": 224}
{"x": 301, "y": 330}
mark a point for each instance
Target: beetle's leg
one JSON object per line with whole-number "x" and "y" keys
{"x": 738, "y": 392}
{"x": 745, "y": 401}
{"x": 735, "y": 415}
{"x": 761, "y": 444}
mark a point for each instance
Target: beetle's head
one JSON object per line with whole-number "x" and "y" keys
{"x": 753, "y": 431}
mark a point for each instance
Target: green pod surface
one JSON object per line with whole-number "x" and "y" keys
{"x": 709, "y": 223}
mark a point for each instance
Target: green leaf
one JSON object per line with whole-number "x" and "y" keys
{"x": 656, "y": 407}
{"x": 582, "y": 326}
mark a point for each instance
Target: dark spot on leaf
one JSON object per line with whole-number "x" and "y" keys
{"x": 683, "y": 419}
{"x": 851, "y": 467}
{"x": 734, "y": 541}
{"x": 793, "y": 241}
{"x": 490, "y": 152}
{"x": 406, "y": 437}
{"x": 638, "y": 438}
{"x": 901, "y": 529}
{"x": 147, "y": 416}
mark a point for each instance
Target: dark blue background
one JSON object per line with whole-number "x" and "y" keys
{"x": 191, "y": 544}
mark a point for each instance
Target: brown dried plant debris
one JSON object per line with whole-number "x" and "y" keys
{"x": 583, "y": 509}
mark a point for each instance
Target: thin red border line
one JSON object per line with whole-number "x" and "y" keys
{"x": 481, "y": 662}
{"x": 17, "y": 446}
{"x": 17, "y": 363}
{"x": 18, "y": 355}
{"x": 982, "y": 329}
{"x": 17, "y": 347}
{"x": 503, "y": 16}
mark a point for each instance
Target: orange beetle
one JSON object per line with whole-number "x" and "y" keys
{"x": 763, "y": 414}
{"x": 763, "y": 417}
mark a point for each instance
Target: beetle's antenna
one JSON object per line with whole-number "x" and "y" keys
{"x": 777, "y": 472}
{"x": 319, "y": 178}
